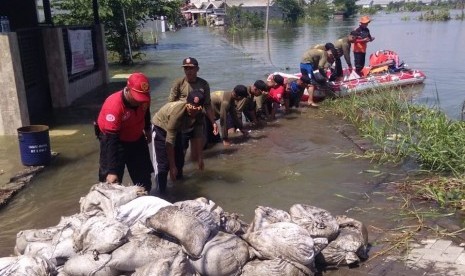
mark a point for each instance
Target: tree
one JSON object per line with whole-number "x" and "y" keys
{"x": 79, "y": 12}
{"x": 348, "y": 7}
{"x": 318, "y": 10}
{"x": 292, "y": 11}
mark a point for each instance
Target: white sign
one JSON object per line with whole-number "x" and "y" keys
{"x": 82, "y": 55}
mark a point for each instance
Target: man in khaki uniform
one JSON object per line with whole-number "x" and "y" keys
{"x": 172, "y": 118}
{"x": 224, "y": 108}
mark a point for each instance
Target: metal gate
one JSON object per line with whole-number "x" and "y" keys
{"x": 35, "y": 75}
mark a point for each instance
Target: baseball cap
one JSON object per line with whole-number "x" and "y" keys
{"x": 306, "y": 79}
{"x": 261, "y": 85}
{"x": 138, "y": 85}
{"x": 196, "y": 97}
{"x": 190, "y": 62}
{"x": 241, "y": 91}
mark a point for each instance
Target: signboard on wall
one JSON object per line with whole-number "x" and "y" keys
{"x": 82, "y": 55}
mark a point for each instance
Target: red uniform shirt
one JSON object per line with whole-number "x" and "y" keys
{"x": 116, "y": 117}
{"x": 277, "y": 93}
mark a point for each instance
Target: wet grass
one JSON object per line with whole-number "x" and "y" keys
{"x": 402, "y": 132}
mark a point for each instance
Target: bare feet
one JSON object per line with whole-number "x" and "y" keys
{"x": 312, "y": 104}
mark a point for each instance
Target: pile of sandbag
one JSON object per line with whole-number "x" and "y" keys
{"x": 121, "y": 231}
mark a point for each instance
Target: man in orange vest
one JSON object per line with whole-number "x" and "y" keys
{"x": 360, "y": 44}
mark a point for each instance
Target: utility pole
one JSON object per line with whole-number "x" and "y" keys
{"x": 267, "y": 15}
{"x": 127, "y": 36}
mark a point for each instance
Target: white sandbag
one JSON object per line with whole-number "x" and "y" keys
{"x": 139, "y": 229}
{"x": 319, "y": 244}
{"x": 24, "y": 237}
{"x": 318, "y": 222}
{"x": 224, "y": 254}
{"x": 167, "y": 267}
{"x": 350, "y": 246}
{"x": 284, "y": 240}
{"x": 265, "y": 216}
{"x": 142, "y": 250}
{"x": 6, "y": 261}
{"x": 202, "y": 206}
{"x": 89, "y": 264}
{"x": 139, "y": 209}
{"x": 29, "y": 266}
{"x": 192, "y": 227}
{"x": 104, "y": 198}
{"x": 232, "y": 224}
{"x": 101, "y": 234}
{"x": 275, "y": 267}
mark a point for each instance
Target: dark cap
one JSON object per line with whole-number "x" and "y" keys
{"x": 306, "y": 79}
{"x": 261, "y": 85}
{"x": 190, "y": 62}
{"x": 278, "y": 79}
{"x": 330, "y": 47}
{"x": 240, "y": 91}
{"x": 354, "y": 33}
{"x": 196, "y": 97}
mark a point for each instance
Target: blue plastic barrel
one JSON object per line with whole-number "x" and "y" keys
{"x": 34, "y": 145}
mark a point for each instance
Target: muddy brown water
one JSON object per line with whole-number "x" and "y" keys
{"x": 292, "y": 160}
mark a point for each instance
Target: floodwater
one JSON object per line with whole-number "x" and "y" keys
{"x": 292, "y": 160}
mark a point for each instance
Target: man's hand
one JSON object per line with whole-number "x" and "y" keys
{"x": 112, "y": 178}
{"x": 148, "y": 136}
{"x": 215, "y": 128}
{"x": 226, "y": 142}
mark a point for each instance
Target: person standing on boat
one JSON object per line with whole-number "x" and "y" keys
{"x": 314, "y": 59}
{"x": 174, "y": 118}
{"x": 123, "y": 128}
{"x": 363, "y": 36}
{"x": 179, "y": 92}
{"x": 342, "y": 46}
{"x": 224, "y": 108}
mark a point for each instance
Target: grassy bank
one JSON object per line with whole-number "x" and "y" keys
{"x": 404, "y": 132}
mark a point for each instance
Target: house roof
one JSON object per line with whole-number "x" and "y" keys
{"x": 249, "y": 3}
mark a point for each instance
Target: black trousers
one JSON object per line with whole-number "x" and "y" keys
{"x": 133, "y": 155}
{"x": 359, "y": 61}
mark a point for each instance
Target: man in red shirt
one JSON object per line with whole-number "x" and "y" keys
{"x": 125, "y": 129}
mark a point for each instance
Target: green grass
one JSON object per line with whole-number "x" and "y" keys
{"x": 402, "y": 131}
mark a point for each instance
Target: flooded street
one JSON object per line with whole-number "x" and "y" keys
{"x": 292, "y": 160}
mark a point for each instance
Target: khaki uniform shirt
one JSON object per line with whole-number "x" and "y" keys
{"x": 181, "y": 87}
{"x": 222, "y": 104}
{"x": 342, "y": 46}
{"x": 318, "y": 58}
{"x": 173, "y": 118}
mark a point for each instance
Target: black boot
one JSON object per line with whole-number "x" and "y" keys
{"x": 162, "y": 180}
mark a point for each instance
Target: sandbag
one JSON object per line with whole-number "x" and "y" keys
{"x": 139, "y": 209}
{"x": 284, "y": 240}
{"x": 6, "y": 261}
{"x": 275, "y": 267}
{"x": 318, "y": 222}
{"x": 24, "y": 237}
{"x": 139, "y": 229}
{"x": 192, "y": 227}
{"x": 29, "y": 266}
{"x": 178, "y": 266}
{"x": 232, "y": 224}
{"x": 265, "y": 216}
{"x": 101, "y": 234}
{"x": 142, "y": 250}
{"x": 224, "y": 254}
{"x": 104, "y": 198}
{"x": 202, "y": 205}
{"x": 89, "y": 264}
{"x": 350, "y": 246}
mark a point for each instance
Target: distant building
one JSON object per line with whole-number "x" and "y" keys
{"x": 385, "y": 3}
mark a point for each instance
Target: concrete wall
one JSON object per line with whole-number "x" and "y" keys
{"x": 13, "y": 102}
{"x": 63, "y": 93}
